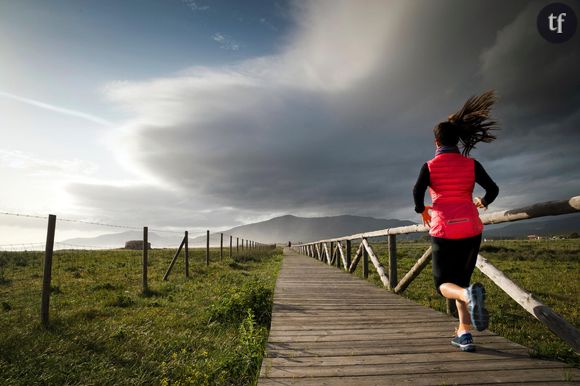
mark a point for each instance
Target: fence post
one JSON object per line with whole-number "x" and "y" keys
{"x": 231, "y": 246}
{"x": 365, "y": 263}
{"x": 186, "y": 254}
{"x": 331, "y": 253}
{"x": 207, "y": 249}
{"x": 348, "y": 254}
{"x": 392, "y": 262}
{"x": 338, "y": 256}
{"x": 145, "y": 257}
{"x": 221, "y": 246}
{"x": 48, "y": 250}
{"x": 237, "y": 245}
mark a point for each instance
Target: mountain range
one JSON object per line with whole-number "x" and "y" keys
{"x": 303, "y": 229}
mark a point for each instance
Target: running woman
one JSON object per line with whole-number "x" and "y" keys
{"x": 455, "y": 227}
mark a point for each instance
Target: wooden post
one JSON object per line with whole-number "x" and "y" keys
{"x": 356, "y": 258}
{"x": 379, "y": 267}
{"x": 47, "y": 276}
{"x": 331, "y": 254}
{"x": 338, "y": 254}
{"x": 174, "y": 259}
{"x": 145, "y": 257}
{"x": 414, "y": 272}
{"x": 186, "y": 254}
{"x": 221, "y": 246}
{"x": 207, "y": 249}
{"x": 392, "y": 262}
{"x": 365, "y": 262}
{"x": 231, "y": 246}
{"x": 237, "y": 245}
{"x": 348, "y": 254}
{"x": 242, "y": 244}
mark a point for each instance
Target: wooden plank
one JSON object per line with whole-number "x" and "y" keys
{"x": 520, "y": 376}
{"x": 403, "y": 358}
{"x": 409, "y": 368}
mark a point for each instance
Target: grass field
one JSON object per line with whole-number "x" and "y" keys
{"x": 207, "y": 330}
{"x": 550, "y": 269}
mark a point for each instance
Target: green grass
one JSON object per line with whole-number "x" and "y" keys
{"x": 209, "y": 329}
{"x": 549, "y": 269}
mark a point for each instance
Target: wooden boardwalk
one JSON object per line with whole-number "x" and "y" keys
{"x": 331, "y": 328}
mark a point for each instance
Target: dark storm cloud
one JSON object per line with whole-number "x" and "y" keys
{"x": 340, "y": 121}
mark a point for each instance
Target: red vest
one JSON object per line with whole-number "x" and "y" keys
{"x": 454, "y": 215}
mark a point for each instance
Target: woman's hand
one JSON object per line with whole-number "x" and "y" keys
{"x": 480, "y": 203}
{"x": 426, "y": 216}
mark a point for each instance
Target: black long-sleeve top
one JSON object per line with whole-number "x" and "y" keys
{"x": 481, "y": 177}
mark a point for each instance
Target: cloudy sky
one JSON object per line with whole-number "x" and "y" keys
{"x": 182, "y": 114}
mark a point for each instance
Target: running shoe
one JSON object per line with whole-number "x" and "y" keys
{"x": 464, "y": 342}
{"x": 476, "y": 305}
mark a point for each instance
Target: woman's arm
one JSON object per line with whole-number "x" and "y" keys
{"x": 485, "y": 181}
{"x": 420, "y": 188}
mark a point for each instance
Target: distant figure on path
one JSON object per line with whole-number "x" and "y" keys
{"x": 289, "y": 244}
{"x": 455, "y": 227}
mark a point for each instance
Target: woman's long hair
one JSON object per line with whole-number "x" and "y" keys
{"x": 470, "y": 125}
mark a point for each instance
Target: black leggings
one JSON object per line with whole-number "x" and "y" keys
{"x": 454, "y": 260}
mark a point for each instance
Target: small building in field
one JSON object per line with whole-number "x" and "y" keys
{"x": 534, "y": 237}
{"x": 136, "y": 245}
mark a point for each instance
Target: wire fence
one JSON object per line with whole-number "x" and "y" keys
{"x": 88, "y": 280}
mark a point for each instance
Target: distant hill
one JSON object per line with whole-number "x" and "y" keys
{"x": 276, "y": 230}
{"x": 547, "y": 226}
{"x": 117, "y": 240}
{"x": 302, "y": 229}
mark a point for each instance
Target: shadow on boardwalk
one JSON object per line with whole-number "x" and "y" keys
{"x": 331, "y": 328}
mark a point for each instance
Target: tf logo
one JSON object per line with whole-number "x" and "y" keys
{"x": 557, "y": 22}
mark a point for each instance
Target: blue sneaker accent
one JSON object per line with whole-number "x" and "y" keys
{"x": 476, "y": 305}
{"x": 464, "y": 342}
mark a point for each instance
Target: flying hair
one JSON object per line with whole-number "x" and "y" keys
{"x": 470, "y": 125}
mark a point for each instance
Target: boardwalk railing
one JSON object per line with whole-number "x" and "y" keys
{"x": 337, "y": 251}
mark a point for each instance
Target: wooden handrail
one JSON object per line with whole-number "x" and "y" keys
{"x": 542, "y": 209}
{"x": 556, "y": 323}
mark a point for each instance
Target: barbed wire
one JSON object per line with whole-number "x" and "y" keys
{"x": 23, "y": 215}
{"x": 100, "y": 224}
{"x": 94, "y": 223}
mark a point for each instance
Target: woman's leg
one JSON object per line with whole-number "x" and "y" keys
{"x": 457, "y": 293}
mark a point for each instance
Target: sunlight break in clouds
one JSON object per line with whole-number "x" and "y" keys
{"x": 57, "y": 109}
{"x": 36, "y": 166}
